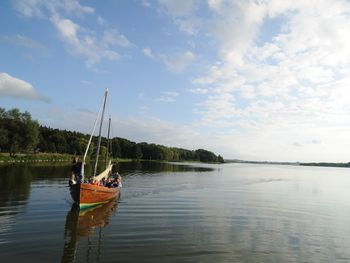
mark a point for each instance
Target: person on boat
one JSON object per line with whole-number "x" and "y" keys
{"x": 76, "y": 169}
{"x": 109, "y": 182}
{"x": 95, "y": 182}
{"x": 118, "y": 181}
{"x": 103, "y": 182}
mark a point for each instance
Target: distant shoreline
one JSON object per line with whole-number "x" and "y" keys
{"x": 320, "y": 164}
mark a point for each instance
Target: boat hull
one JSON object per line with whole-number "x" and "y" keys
{"x": 88, "y": 195}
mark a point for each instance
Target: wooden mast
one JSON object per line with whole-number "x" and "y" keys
{"x": 109, "y": 129}
{"x": 99, "y": 135}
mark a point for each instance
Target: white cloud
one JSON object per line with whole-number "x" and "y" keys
{"x": 168, "y": 96}
{"x": 113, "y": 37}
{"x": 101, "y": 21}
{"x": 177, "y": 8}
{"x": 189, "y": 26}
{"x": 297, "y": 69}
{"x": 199, "y": 90}
{"x": 148, "y": 52}
{"x": 179, "y": 62}
{"x": 175, "y": 63}
{"x": 17, "y": 88}
{"x": 79, "y": 40}
{"x": 291, "y": 83}
{"x": 40, "y": 8}
{"x": 182, "y": 13}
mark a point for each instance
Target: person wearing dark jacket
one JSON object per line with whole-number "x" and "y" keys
{"x": 76, "y": 169}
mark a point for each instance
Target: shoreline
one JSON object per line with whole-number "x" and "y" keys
{"x": 54, "y": 158}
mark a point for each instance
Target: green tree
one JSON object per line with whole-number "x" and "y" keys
{"x": 220, "y": 159}
{"x": 18, "y": 131}
{"x": 116, "y": 149}
{"x": 137, "y": 152}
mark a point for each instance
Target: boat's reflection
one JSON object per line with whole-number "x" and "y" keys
{"x": 81, "y": 224}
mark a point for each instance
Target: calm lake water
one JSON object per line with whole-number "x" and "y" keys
{"x": 180, "y": 213}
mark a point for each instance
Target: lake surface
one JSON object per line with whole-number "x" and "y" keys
{"x": 180, "y": 213}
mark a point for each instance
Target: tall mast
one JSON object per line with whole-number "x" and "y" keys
{"x": 99, "y": 135}
{"x": 109, "y": 128}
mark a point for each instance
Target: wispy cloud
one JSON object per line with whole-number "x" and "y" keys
{"x": 199, "y": 90}
{"x": 44, "y": 8}
{"x": 24, "y": 41}
{"x": 296, "y": 78}
{"x": 176, "y": 8}
{"x": 175, "y": 63}
{"x": 113, "y": 37}
{"x": 182, "y": 13}
{"x": 168, "y": 96}
{"x": 300, "y": 78}
{"x": 79, "y": 40}
{"x": 17, "y": 88}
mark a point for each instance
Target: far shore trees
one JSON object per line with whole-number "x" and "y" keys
{"x": 20, "y": 134}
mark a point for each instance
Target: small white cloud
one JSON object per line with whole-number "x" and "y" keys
{"x": 148, "y": 52}
{"x": 175, "y": 63}
{"x": 168, "y": 96}
{"x": 189, "y": 26}
{"x": 178, "y": 63}
{"x": 146, "y": 3}
{"x": 177, "y": 8}
{"x": 113, "y": 37}
{"x": 17, "y": 88}
{"x": 101, "y": 21}
{"x": 67, "y": 28}
{"x": 199, "y": 90}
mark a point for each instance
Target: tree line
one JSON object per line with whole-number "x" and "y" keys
{"x": 19, "y": 133}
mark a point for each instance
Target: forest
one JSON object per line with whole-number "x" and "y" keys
{"x": 19, "y": 133}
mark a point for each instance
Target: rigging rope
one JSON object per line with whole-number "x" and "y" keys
{"x": 87, "y": 147}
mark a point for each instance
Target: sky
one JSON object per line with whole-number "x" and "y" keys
{"x": 253, "y": 80}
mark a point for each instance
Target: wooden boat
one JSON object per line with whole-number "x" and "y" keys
{"x": 88, "y": 195}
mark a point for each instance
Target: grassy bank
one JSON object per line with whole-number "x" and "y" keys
{"x": 43, "y": 158}
{"x": 33, "y": 158}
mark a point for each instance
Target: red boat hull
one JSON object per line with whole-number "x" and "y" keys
{"x": 88, "y": 195}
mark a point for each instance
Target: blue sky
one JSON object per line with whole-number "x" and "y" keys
{"x": 257, "y": 80}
